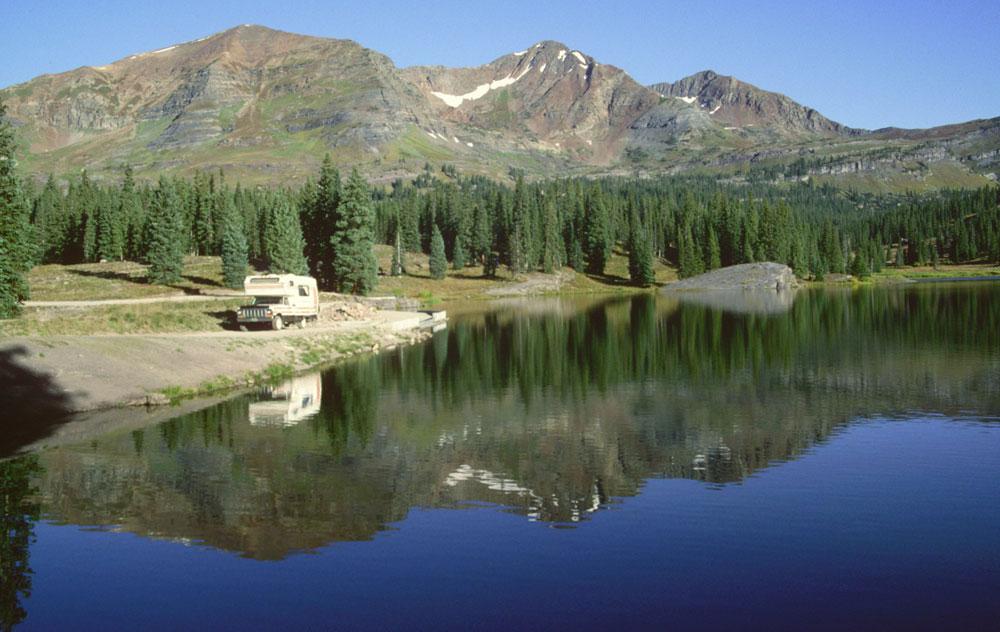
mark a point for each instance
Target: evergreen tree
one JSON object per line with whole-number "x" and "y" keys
{"x": 482, "y": 233}
{"x": 640, "y": 254}
{"x": 396, "y": 268}
{"x": 166, "y": 235}
{"x": 16, "y": 247}
{"x": 86, "y": 206}
{"x": 321, "y": 219}
{"x": 520, "y": 230}
{"x": 110, "y": 233}
{"x": 234, "y": 246}
{"x": 51, "y": 223}
{"x": 553, "y": 245}
{"x": 713, "y": 258}
{"x": 900, "y": 261}
{"x": 690, "y": 262}
{"x": 204, "y": 220}
{"x": 133, "y": 218}
{"x": 354, "y": 267}
{"x": 597, "y": 231}
{"x": 438, "y": 262}
{"x": 859, "y": 265}
{"x": 283, "y": 243}
{"x": 458, "y": 256}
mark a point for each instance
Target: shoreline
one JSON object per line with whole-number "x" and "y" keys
{"x": 93, "y": 372}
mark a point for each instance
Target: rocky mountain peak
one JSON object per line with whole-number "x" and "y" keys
{"x": 268, "y": 105}
{"x": 738, "y": 105}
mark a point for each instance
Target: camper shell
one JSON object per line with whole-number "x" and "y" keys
{"x": 279, "y": 300}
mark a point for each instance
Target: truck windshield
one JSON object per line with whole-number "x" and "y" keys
{"x": 268, "y": 300}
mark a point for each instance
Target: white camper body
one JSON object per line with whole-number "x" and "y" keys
{"x": 279, "y": 300}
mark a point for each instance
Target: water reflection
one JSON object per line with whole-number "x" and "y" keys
{"x": 741, "y": 301}
{"x": 289, "y": 403}
{"x": 553, "y": 413}
{"x": 18, "y": 513}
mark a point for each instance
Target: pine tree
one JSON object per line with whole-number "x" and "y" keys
{"x": 520, "y": 230}
{"x": 458, "y": 255}
{"x": 133, "y": 218}
{"x": 234, "y": 246}
{"x": 552, "y": 245}
{"x": 482, "y": 233}
{"x": 321, "y": 219}
{"x": 859, "y": 265}
{"x": 396, "y": 268}
{"x": 16, "y": 247}
{"x": 204, "y": 216}
{"x": 438, "y": 262}
{"x": 166, "y": 235}
{"x": 110, "y": 233}
{"x": 597, "y": 231}
{"x": 690, "y": 262}
{"x": 354, "y": 267}
{"x": 640, "y": 254}
{"x": 900, "y": 261}
{"x": 713, "y": 258}
{"x": 283, "y": 244}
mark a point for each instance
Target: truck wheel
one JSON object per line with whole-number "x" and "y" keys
{"x": 277, "y": 323}
{"x": 302, "y": 323}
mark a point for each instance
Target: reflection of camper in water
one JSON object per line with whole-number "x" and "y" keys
{"x": 288, "y": 404}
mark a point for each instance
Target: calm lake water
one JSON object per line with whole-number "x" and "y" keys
{"x": 828, "y": 461}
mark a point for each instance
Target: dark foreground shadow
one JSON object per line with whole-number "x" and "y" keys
{"x": 31, "y": 406}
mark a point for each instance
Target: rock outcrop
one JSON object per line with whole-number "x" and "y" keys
{"x": 746, "y": 276}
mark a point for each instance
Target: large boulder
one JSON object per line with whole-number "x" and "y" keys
{"x": 746, "y": 276}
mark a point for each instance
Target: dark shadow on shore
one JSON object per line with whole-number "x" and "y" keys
{"x": 31, "y": 406}
{"x": 202, "y": 280}
{"x": 123, "y": 276}
{"x": 226, "y": 318}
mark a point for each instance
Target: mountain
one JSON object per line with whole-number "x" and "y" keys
{"x": 736, "y": 104}
{"x": 549, "y": 96}
{"x": 266, "y": 105}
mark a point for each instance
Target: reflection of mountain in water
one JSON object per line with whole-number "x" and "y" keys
{"x": 551, "y": 416}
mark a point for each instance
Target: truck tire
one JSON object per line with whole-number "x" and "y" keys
{"x": 302, "y": 323}
{"x": 277, "y": 323}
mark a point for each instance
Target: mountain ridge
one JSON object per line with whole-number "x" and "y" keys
{"x": 268, "y": 104}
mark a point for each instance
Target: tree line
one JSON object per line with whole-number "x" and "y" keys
{"x": 328, "y": 226}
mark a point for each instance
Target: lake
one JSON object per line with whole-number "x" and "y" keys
{"x": 823, "y": 460}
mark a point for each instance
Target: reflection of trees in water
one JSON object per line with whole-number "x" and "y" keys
{"x": 18, "y": 513}
{"x": 553, "y": 416}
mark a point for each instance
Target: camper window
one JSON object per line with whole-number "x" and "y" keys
{"x": 303, "y": 290}
{"x": 268, "y": 300}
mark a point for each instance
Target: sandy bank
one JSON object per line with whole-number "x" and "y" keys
{"x": 102, "y": 371}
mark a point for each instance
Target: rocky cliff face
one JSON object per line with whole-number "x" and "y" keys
{"x": 267, "y": 105}
{"x": 552, "y": 96}
{"x": 736, "y": 104}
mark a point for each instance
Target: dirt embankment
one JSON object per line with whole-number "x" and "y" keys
{"x": 101, "y": 371}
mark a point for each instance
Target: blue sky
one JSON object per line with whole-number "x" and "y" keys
{"x": 863, "y": 63}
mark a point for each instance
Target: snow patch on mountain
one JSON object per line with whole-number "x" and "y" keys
{"x": 455, "y": 100}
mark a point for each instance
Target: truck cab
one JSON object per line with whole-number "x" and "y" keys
{"x": 279, "y": 300}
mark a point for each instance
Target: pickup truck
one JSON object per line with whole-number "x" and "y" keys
{"x": 279, "y": 300}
